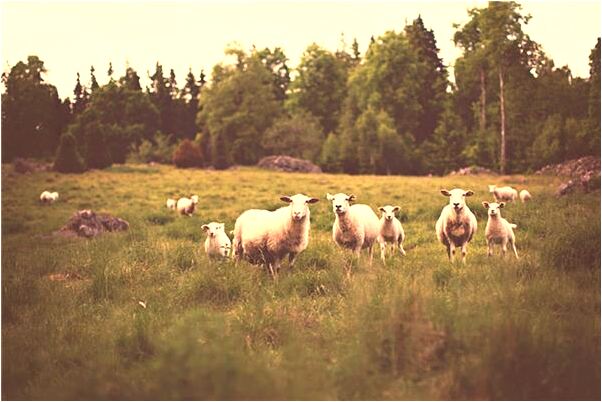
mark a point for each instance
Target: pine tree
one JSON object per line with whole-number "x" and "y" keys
{"x": 81, "y": 97}
{"x": 130, "y": 80}
{"x": 93, "y": 83}
{"x": 67, "y": 158}
{"x": 110, "y": 72}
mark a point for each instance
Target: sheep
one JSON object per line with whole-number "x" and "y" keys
{"x": 355, "y": 227}
{"x": 48, "y": 198}
{"x": 391, "y": 230}
{"x": 525, "y": 196}
{"x": 217, "y": 243}
{"x": 266, "y": 237}
{"x": 171, "y": 203}
{"x": 507, "y": 193}
{"x": 457, "y": 224}
{"x": 498, "y": 229}
{"x": 186, "y": 206}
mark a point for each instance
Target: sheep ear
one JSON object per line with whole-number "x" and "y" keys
{"x": 381, "y": 209}
{"x": 329, "y": 197}
{"x": 486, "y": 204}
{"x": 502, "y": 204}
{"x": 396, "y": 208}
{"x": 351, "y": 197}
{"x": 286, "y": 198}
{"x": 468, "y": 193}
{"x": 205, "y": 228}
{"x": 445, "y": 192}
{"x": 312, "y": 200}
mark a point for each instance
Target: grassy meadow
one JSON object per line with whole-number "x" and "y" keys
{"x": 418, "y": 327}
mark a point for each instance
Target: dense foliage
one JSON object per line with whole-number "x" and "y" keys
{"x": 391, "y": 110}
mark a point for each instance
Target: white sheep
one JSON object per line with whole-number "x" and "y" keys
{"x": 48, "y": 198}
{"x": 171, "y": 203}
{"x": 457, "y": 224}
{"x": 391, "y": 230}
{"x": 217, "y": 243}
{"x": 525, "y": 196}
{"x": 186, "y": 206}
{"x": 266, "y": 237}
{"x": 507, "y": 193}
{"x": 355, "y": 227}
{"x": 498, "y": 229}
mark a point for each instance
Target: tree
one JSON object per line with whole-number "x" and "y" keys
{"x": 130, "y": 80}
{"x": 81, "y": 97}
{"x": 187, "y": 154}
{"x": 67, "y": 158}
{"x": 329, "y": 156}
{"x": 299, "y": 135}
{"x": 594, "y": 92}
{"x": 275, "y": 62}
{"x": 93, "y": 83}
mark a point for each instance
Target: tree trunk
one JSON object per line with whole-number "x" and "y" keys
{"x": 483, "y": 121}
{"x": 502, "y": 124}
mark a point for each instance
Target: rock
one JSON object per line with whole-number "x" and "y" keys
{"x": 87, "y": 223}
{"x": 572, "y": 168}
{"x": 472, "y": 171}
{"x": 566, "y": 188}
{"x": 285, "y": 163}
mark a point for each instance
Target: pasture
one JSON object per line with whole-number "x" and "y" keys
{"x": 74, "y": 325}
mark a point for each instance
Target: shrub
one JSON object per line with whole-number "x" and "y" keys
{"x": 67, "y": 158}
{"x": 188, "y": 154}
{"x": 159, "y": 150}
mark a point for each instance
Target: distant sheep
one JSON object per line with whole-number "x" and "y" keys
{"x": 171, "y": 203}
{"x": 186, "y": 206}
{"x": 525, "y": 196}
{"x": 498, "y": 229}
{"x": 48, "y": 198}
{"x": 355, "y": 227}
{"x": 391, "y": 230}
{"x": 500, "y": 194}
{"x": 266, "y": 237}
{"x": 457, "y": 224}
{"x": 217, "y": 243}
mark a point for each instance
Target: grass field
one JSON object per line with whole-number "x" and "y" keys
{"x": 415, "y": 328}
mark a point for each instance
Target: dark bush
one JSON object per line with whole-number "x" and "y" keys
{"x": 67, "y": 158}
{"x": 188, "y": 154}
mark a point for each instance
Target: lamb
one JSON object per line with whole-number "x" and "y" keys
{"x": 355, "y": 227}
{"x": 48, "y": 198}
{"x": 507, "y": 193}
{"x": 217, "y": 243}
{"x": 266, "y": 237}
{"x": 171, "y": 203}
{"x": 391, "y": 230}
{"x": 457, "y": 224}
{"x": 498, "y": 229}
{"x": 186, "y": 206}
{"x": 525, "y": 196}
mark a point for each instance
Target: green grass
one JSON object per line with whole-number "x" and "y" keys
{"x": 415, "y": 328}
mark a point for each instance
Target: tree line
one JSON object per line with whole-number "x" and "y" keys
{"x": 390, "y": 110}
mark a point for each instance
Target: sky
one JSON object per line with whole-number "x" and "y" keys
{"x": 71, "y": 36}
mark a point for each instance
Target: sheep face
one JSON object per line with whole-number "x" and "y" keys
{"x": 389, "y": 212}
{"x": 298, "y": 205}
{"x": 493, "y": 208}
{"x": 457, "y": 198}
{"x": 194, "y": 199}
{"x": 340, "y": 202}
{"x": 213, "y": 228}
{"x": 492, "y": 188}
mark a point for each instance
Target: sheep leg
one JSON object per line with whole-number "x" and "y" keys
{"x": 371, "y": 251}
{"x": 401, "y": 250}
{"x": 383, "y": 247}
{"x": 291, "y": 259}
{"x": 514, "y": 249}
{"x": 489, "y": 248}
{"x": 504, "y": 247}
{"x": 464, "y": 252}
{"x": 451, "y": 251}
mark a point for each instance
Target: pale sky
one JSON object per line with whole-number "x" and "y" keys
{"x": 69, "y": 37}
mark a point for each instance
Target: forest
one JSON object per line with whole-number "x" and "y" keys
{"x": 388, "y": 109}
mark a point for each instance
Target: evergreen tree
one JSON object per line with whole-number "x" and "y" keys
{"x": 81, "y": 97}
{"x": 594, "y": 95}
{"x": 93, "y": 83}
{"x": 67, "y": 158}
{"x": 110, "y": 72}
{"x": 130, "y": 80}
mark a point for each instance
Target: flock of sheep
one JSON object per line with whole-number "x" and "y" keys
{"x": 267, "y": 237}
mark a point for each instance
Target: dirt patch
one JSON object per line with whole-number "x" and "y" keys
{"x": 285, "y": 163}
{"x": 87, "y": 223}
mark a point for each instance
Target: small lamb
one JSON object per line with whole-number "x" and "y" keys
{"x": 457, "y": 224}
{"x": 186, "y": 206}
{"x": 355, "y": 227}
{"x": 48, "y": 198}
{"x": 507, "y": 193}
{"x": 266, "y": 237}
{"x": 391, "y": 231}
{"x": 217, "y": 243}
{"x": 171, "y": 203}
{"x": 498, "y": 229}
{"x": 525, "y": 196}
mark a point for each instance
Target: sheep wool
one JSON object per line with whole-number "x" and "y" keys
{"x": 457, "y": 224}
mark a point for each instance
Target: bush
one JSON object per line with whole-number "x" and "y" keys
{"x": 97, "y": 148}
{"x": 188, "y": 154}
{"x": 159, "y": 150}
{"x": 67, "y": 158}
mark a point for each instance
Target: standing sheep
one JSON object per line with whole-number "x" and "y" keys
{"x": 457, "y": 224}
{"x": 186, "y": 206}
{"x": 498, "y": 229}
{"x": 391, "y": 230}
{"x": 525, "y": 196}
{"x": 217, "y": 243}
{"x": 266, "y": 237}
{"x": 171, "y": 204}
{"x": 48, "y": 198}
{"x": 355, "y": 226}
{"x": 507, "y": 193}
